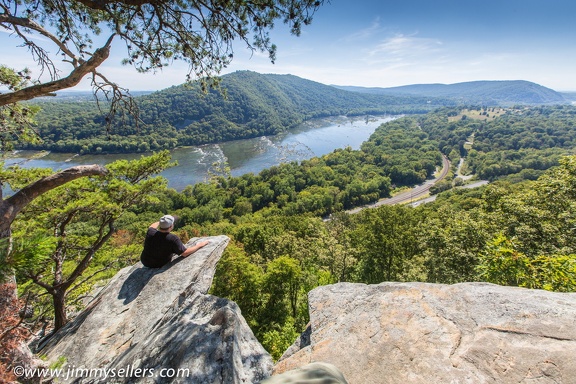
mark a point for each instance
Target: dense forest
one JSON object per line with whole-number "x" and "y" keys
{"x": 246, "y": 105}
{"x": 290, "y": 233}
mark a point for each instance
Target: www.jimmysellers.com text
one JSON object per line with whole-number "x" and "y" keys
{"x": 74, "y": 372}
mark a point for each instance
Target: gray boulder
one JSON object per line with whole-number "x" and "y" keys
{"x": 313, "y": 373}
{"x": 431, "y": 333}
{"x": 160, "y": 326}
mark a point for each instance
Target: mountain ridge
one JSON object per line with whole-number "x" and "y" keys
{"x": 250, "y": 104}
{"x": 502, "y": 92}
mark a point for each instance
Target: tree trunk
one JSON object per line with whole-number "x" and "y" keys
{"x": 6, "y": 276}
{"x": 59, "y": 301}
{"x": 11, "y": 206}
{"x": 5, "y": 243}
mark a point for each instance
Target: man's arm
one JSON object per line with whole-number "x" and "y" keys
{"x": 154, "y": 225}
{"x": 194, "y": 248}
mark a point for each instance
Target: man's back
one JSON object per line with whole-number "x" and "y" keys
{"x": 159, "y": 248}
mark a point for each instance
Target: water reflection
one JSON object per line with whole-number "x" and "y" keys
{"x": 195, "y": 164}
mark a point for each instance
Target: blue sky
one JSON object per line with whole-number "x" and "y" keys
{"x": 383, "y": 43}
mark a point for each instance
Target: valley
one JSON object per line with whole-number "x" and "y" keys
{"x": 281, "y": 248}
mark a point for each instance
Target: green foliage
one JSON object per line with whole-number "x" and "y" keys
{"x": 523, "y": 139}
{"x": 238, "y": 279}
{"x": 503, "y": 264}
{"x": 403, "y": 151}
{"x": 282, "y": 282}
{"x": 59, "y": 363}
{"x": 442, "y": 186}
{"x": 62, "y": 236}
{"x": 451, "y": 241}
{"x": 386, "y": 241}
{"x": 276, "y": 341}
{"x": 16, "y": 119}
{"x": 281, "y": 248}
{"x": 541, "y": 214}
{"x": 32, "y": 253}
{"x": 253, "y": 105}
{"x": 17, "y": 178}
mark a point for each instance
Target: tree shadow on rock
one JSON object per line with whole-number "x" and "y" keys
{"x": 135, "y": 283}
{"x": 69, "y": 329}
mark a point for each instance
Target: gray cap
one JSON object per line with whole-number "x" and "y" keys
{"x": 166, "y": 221}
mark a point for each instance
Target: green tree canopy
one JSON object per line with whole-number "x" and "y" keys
{"x": 154, "y": 33}
{"x": 59, "y": 234}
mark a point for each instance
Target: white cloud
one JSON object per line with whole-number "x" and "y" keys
{"x": 365, "y": 33}
{"x": 401, "y": 46}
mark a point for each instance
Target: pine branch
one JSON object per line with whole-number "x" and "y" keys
{"x": 84, "y": 68}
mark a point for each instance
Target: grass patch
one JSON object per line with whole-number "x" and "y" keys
{"x": 488, "y": 114}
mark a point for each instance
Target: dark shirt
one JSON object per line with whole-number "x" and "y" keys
{"x": 159, "y": 248}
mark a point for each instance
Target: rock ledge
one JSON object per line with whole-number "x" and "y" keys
{"x": 431, "y": 333}
{"x": 163, "y": 321}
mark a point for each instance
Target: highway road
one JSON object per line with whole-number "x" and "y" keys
{"x": 415, "y": 193}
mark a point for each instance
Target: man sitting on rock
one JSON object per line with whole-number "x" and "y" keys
{"x": 160, "y": 244}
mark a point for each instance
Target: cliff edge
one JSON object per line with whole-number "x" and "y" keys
{"x": 159, "y": 325}
{"x": 433, "y": 333}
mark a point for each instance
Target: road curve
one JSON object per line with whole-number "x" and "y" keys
{"x": 411, "y": 195}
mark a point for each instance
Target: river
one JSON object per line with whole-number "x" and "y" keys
{"x": 314, "y": 138}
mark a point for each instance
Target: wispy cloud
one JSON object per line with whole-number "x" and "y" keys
{"x": 365, "y": 33}
{"x": 406, "y": 45}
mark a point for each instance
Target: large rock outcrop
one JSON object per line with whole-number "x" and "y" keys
{"x": 313, "y": 373}
{"x": 431, "y": 333}
{"x": 159, "y": 325}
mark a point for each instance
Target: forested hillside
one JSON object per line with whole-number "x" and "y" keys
{"x": 489, "y": 93}
{"x": 519, "y": 144}
{"x": 247, "y": 105}
{"x": 515, "y": 231}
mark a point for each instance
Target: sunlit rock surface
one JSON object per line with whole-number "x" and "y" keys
{"x": 159, "y": 325}
{"x": 431, "y": 333}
